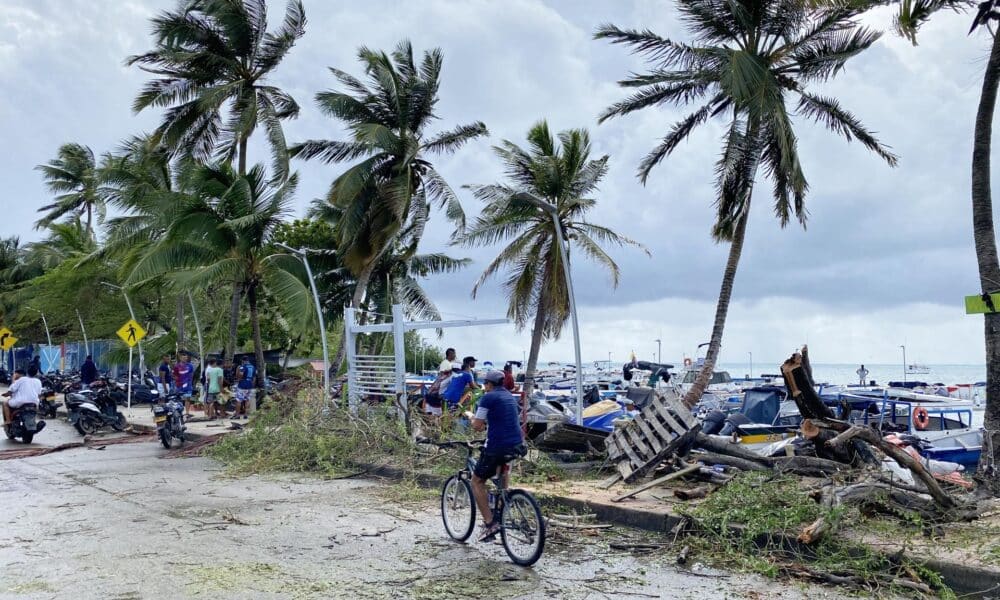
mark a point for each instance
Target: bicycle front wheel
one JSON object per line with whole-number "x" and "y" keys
{"x": 523, "y": 529}
{"x": 458, "y": 510}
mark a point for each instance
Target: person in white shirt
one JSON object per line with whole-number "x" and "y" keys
{"x": 24, "y": 390}
{"x": 446, "y": 364}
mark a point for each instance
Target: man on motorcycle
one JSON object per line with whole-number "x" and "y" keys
{"x": 23, "y": 391}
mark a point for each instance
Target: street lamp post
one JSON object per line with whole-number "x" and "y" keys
{"x": 301, "y": 254}
{"x": 659, "y": 351}
{"x": 552, "y": 212}
{"x": 44, "y": 323}
{"x": 86, "y": 345}
{"x": 904, "y": 362}
{"x": 201, "y": 347}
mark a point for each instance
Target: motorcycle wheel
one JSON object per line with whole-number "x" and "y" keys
{"x": 119, "y": 424}
{"x": 26, "y": 438}
{"x": 86, "y": 426}
{"x": 165, "y": 437}
{"x": 183, "y": 438}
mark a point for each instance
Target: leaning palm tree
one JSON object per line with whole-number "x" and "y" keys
{"x": 212, "y": 60}
{"x": 562, "y": 174}
{"x": 73, "y": 176}
{"x": 749, "y": 59}
{"x": 222, "y": 235}
{"x": 395, "y": 182}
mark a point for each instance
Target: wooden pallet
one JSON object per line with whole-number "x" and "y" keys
{"x": 662, "y": 426}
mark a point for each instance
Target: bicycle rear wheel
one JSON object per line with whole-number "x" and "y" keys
{"x": 522, "y": 528}
{"x": 458, "y": 510}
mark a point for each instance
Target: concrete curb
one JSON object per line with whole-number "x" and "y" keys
{"x": 961, "y": 578}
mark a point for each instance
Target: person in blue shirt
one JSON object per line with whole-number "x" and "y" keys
{"x": 184, "y": 381}
{"x": 459, "y": 382}
{"x": 244, "y": 387}
{"x": 498, "y": 413}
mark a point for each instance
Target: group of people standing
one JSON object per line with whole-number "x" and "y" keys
{"x": 454, "y": 381}
{"x": 178, "y": 377}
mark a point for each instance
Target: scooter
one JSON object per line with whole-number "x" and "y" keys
{"x": 90, "y": 411}
{"x": 168, "y": 415}
{"x": 24, "y": 424}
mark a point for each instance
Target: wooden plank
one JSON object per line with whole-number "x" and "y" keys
{"x": 637, "y": 442}
{"x": 625, "y": 469}
{"x": 648, "y": 434}
{"x": 667, "y": 451}
{"x": 642, "y": 488}
{"x": 610, "y": 481}
{"x": 664, "y": 434}
{"x": 681, "y": 411}
{"x": 668, "y": 418}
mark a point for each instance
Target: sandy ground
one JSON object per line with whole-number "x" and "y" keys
{"x": 123, "y": 523}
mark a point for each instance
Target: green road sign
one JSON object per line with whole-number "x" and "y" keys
{"x": 976, "y": 305}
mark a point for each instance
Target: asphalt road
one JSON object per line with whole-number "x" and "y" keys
{"x": 124, "y": 523}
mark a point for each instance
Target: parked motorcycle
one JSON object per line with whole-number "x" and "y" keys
{"x": 168, "y": 415}
{"x": 47, "y": 404}
{"x": 92, "y": 410}
{"x": 24, "y": 424}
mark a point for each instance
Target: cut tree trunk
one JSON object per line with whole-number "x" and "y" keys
{"x": 988, "y": 473}
{"x": 721, "y": 310}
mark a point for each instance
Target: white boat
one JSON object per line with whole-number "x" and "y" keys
{"x": 917, "y": 369}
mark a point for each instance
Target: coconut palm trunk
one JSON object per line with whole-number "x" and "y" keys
{"x": 989, "y": 266}
{"x": 234, "y": 324}
{"x": 721, "y": 311}
{"x": 536, "y": 343}
{"x": 180, "y": 323}
{"x": 258, "y": 345}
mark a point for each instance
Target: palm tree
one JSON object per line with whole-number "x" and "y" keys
{"x": 395, "y": 183}
{"x": 73, "y": 176}
{"x": 749, "y": 59}
{"x": 212, "y": 59}
{"x": 222, "y": 234}
{"x": 563, "y": 175}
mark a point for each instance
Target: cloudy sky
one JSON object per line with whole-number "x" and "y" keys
{"x": 885, "y": 261}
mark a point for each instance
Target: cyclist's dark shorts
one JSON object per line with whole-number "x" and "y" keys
{"x": 490, "y": 461}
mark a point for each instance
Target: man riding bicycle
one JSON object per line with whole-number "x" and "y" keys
{"x": 497, "y": 413}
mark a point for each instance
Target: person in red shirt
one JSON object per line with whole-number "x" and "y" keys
{"x": 508, "y": 378}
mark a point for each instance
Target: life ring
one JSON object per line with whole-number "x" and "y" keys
{"x": 687, "y": 362}
{"x": 921, "y": 420}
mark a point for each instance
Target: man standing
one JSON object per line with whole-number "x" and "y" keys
{"x": 165, "y": 370}
{"x": 446, "y": 364}
{"x": 862, "y": 375}
{"x": 459, "y": 382}
{"x": 244, "y": 387}
{"x": 184, "y": 381}
{"x": 24, "y": 390}
{"x": 213, "y": 382}
{"x": 497, "y": 413}
{"x": 88, "y": 372}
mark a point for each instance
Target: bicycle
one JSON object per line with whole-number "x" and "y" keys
{"x": 522, "y": 528}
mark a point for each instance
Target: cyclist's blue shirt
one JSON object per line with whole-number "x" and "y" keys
{"x": 503, "y": 426}
{"x": 456, "y": 387}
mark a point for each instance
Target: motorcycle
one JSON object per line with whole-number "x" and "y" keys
{"x": 46, "y": 404}
{"x": 91, "y": 410}
{"x": 168, "y": 415}
{"x": 24, "y": 424}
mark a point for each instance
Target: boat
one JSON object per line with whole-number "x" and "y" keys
{"x": 917, "y": 369}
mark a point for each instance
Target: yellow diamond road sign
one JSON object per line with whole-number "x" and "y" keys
{"x": 131, "y": 332}
{"x": 7, "y": 339}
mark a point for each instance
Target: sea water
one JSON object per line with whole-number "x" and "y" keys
{"x": 882, "y": 374}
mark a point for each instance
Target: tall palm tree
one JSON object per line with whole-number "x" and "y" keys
{"x": 561, "y": 173}
{"x": 395, "y": 182}
{"x": 212, "y": 60}
{"x": 73, "y": 176}
{"x": 223, "y": 234}
{"x": 748, "y": 61}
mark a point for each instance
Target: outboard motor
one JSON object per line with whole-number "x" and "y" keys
{"x": 713, "y": 422}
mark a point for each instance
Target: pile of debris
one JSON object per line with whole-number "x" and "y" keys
{"x": 666, "y": 440}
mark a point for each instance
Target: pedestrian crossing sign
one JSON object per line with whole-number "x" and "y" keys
{"x": 131, "y": 332}
{"x": 7, "y": 339}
